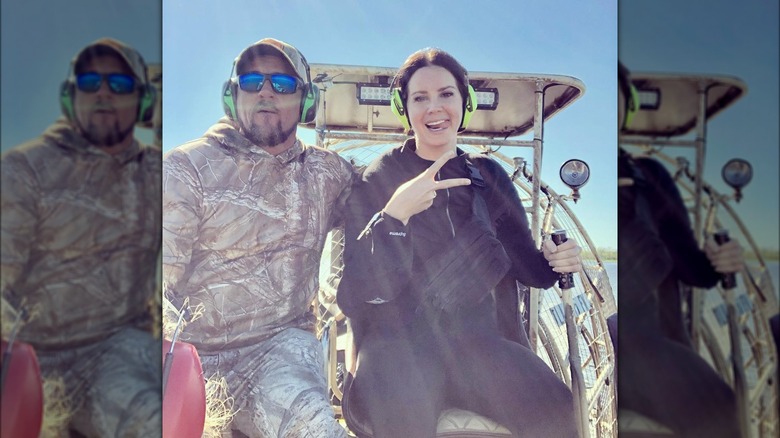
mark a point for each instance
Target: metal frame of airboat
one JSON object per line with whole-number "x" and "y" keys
{"x": 674, "y": 105}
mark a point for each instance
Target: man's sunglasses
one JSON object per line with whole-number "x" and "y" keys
{"x": 281, "y": 83}
{"x": 118, "y": 83}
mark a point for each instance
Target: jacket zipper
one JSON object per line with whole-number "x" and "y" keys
{"x": 447, "y": 207}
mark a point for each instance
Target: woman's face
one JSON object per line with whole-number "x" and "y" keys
{"x": 435, "y": 108}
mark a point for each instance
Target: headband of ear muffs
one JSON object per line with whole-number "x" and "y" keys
{"x": 632, "y": 106}
{"x": 310, "y": 97}
{"x": 146, "y": 91}
{"x": 398, "y": 107}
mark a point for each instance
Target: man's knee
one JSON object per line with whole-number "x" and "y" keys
{"x": 310, "y": 415}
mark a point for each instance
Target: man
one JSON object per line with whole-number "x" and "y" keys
{"x": 246, "y": 211}
{"x": 80, "y": 238}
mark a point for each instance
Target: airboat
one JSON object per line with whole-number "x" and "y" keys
{"x": 729, "y": 326}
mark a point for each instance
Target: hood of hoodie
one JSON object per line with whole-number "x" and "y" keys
{"x": 64, "y": 134}
{"x": 227, "y": 134}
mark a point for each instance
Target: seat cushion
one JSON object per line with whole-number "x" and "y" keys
{"x": 466, "y": 424}
{"x": 633, "y": 424}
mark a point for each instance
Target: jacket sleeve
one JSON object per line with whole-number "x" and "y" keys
{"x": 377, "y": 253}
{"x": 528, "y": 263}
{"x": 182, "y": 201}
{"x": 691, "y": 264}
{"x": 19, "y": 198}
{"x": 347, "y": 179}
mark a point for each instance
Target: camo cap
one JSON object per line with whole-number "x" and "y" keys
{"x": 271, "y": 45}
{"x": 129, "y": 55}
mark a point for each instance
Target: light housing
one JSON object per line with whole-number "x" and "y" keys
{"x": 649, "y": 98}
{"x": 373, "y": 94}
{"x": 487, "y": 98}
{"x": 380, "y": 94}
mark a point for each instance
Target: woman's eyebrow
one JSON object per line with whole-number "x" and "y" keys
{"x": 440, "y": 89}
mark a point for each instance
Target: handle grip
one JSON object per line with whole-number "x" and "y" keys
{"x": 727, "y": 281}
{"x": 565, "y": 280}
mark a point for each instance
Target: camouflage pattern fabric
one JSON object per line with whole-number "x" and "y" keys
{"x": 243, "y": 233}
{"x": 80, "y": 235}
{"x": 278, "y": 387}
{"x": 113, "y": 386}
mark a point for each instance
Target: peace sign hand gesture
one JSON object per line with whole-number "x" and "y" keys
{"x": 417, "y": 194}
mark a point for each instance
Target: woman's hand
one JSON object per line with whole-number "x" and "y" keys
{"x": 564, "y": 257}
{"x": 726, "y": 258}
{"x": 417, "y": 194}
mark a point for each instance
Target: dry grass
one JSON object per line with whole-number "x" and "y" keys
{"x": 57, "y": 410}
{"x": 219, "y": 407}
{"x": 219, "y": 403}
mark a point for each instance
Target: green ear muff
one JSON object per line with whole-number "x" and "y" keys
{"x": 632, "y": 106}
{"x": 228, "y": 99}
{"x": 397, "y": 107}
{"x": 469, "y": 108}
{"x": 309, "y": 103}
{"x": 66, "y": 99}
{"x": 146, "y": 104}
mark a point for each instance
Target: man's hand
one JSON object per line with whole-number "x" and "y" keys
{"x": 417, "y": 194}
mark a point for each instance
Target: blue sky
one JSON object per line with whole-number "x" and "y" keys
{"x": 722, "y": 37}
{"x": 201, "y": 38}
{"x": 560, "y": 37}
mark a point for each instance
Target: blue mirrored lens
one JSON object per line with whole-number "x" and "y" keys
{"x": 284, "y": 84}
{"x": 88, "y": 82}
{"x": 281, "y": 83}
{"x": 251, "y": 81}
{"x": 117, "y": 82}
{"x": 121, "y": 83}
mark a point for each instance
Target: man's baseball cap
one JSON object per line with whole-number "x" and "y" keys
{"x": 274, "y": 46}
{"x": 103, "y": 46}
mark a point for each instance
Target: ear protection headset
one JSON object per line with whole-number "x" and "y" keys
{"x": 309, "y": 99}
{"x": 398, "y": 107}
{"x": 630, "y": 92}
{"x": 146, "y": 102}
{"x": 632, "y": 106}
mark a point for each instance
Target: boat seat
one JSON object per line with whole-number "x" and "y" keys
{"x": 453, "y": 423}
{"x": 634, "y": 425}
{"x": 184, "y": 397}
{"x": 22, "y": 399}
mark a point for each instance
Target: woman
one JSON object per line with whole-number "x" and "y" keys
{"x": 660, "y": 375}
{"x": 430, "y": 232}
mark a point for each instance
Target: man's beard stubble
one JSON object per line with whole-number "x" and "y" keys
{"x": 106, "y": 136}
{"x": 267, "y": 137}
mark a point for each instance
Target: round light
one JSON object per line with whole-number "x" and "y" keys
{"x": 575, "y": 173}
{"x": 737, "y": 173}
